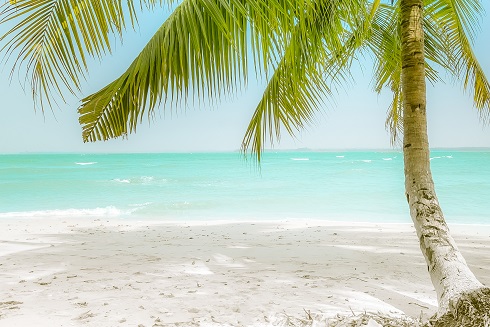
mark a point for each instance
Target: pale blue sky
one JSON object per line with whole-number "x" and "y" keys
{"x": 355, "y": 121}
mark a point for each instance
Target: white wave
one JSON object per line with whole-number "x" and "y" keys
{"x": 86, "y": 163}
{"x": 339, "y": 156}
{"x": 110, "y": 211}
{"x": 127, "y": 181}
{"x": 448, "y": 157}
{"x": 366, "y": 160}
{"x": 387, "y": 159}
{"x": 138, "y": 180}
{"x": 300, "y": 159}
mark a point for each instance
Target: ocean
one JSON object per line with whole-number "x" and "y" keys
{"x": 354, "y": 186}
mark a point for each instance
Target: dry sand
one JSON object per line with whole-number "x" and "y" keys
{"x": 86, "y": 272}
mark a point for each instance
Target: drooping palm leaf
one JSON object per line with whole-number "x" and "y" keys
{"x": 318, "y": 54}
{"x": 202, "y": 47}
{"x": 51, "y": 39}
{"x": 457, "y": 21}
{"x": 385, "y": 45}
{"x": 446, "y": 24}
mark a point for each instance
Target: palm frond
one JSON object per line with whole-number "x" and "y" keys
{"x": 318, "y": 55}
{"x": 289, "y": 100}
{"x": 394, "y": 118}
{"x": 202, "y": 47}
{"x": 51, "y": 39}
{"x": 386, "y": 47}
{"x": 457, "y": 21}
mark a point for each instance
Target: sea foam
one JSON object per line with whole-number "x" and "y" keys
{"x": 86, "y": 163}
{"x": 110, "y": 211}
{"x": 139, "y": 180}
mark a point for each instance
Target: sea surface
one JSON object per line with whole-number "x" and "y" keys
{"x": 352, "y": 186}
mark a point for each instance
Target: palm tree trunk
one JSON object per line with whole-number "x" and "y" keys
{"x": 448, "y": 270}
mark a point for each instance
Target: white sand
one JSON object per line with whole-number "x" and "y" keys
{"x": 85, "y": 272}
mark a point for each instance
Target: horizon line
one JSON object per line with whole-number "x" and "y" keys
{"x": 272, "y": 150}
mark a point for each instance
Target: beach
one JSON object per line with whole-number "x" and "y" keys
{"x": 120, "y": 272}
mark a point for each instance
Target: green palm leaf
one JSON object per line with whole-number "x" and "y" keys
{"x": 51, "y": 39}
{"x": 319, "y": 54}
{"x": 449, "y": 28}
{"x": 457, "y": 20}
{"x": 385, "y": 45}
{"x": 202, "y": 47}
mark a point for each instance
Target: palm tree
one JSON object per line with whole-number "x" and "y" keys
{"x": 456, "y": 286}
{"x": 305, "y": 49}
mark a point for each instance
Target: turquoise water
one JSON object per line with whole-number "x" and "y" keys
{"x": 342, "y": 186}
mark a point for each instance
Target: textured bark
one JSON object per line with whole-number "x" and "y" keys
{"x": 448, "y": 270}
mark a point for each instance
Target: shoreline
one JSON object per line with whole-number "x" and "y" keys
{"x": 122, "y": 272}
{"x": 139, "y": 221}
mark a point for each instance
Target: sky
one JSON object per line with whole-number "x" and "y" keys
{"x": 355, "y": 120}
